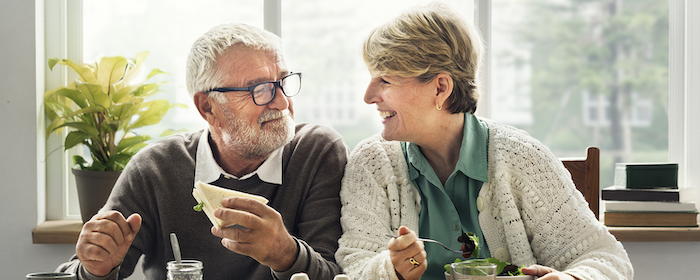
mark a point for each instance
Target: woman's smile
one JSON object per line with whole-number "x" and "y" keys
{"x": 387, "y": 114}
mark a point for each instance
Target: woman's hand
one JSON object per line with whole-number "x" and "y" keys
{"x": 407, "y": 255}
{"x": 546, "y": 273}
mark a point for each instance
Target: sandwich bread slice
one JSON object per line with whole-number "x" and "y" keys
{"x": 209, "y": 198}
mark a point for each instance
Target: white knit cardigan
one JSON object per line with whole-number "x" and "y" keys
{"x": 531, "y": 212}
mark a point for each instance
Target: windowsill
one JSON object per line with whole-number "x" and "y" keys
{"x": 57, "y": 232}
{"x": 67, "y": 231}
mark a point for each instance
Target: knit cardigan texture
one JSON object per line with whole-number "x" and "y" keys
{"x": 532, "y": 212}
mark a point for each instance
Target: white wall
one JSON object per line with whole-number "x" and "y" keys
{"x": 18, "y": 147}
{"x": 19, "y": 170}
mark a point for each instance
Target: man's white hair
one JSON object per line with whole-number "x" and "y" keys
{"x": 202, "y": 73}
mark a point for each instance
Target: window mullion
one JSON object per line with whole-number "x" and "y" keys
{"x": 272, "y": 15}
{"x": 482, "y": 19}
{"x": 63, "y": 39}
{"x": 677, "y": 87}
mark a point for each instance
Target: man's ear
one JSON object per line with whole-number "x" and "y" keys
{"x": 445, "y": 85}
{"x": 204, "y": 105}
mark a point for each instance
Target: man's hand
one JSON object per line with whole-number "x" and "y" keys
{"x": 264, "y": 237}
{"x": 104, "y": 241}
{"x": 408, "y": 255}
{"x": 546, "y": 273}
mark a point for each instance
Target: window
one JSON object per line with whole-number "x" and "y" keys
{"x": 322, "y": 39}
{"x": 584, "y": 73}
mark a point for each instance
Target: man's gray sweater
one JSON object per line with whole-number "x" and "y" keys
{"x": 157, "y": 184}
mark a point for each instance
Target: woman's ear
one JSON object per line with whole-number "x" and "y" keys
{"x": 445, "y": 85}
{"x": 204, "y": 105}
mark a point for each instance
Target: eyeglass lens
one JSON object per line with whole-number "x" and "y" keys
{"x": 265, "y": 92}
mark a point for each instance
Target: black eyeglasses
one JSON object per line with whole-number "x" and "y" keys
{"x": 263, "y": 93}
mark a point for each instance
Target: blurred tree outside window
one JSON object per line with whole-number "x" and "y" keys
{"x": 579, "y": 73}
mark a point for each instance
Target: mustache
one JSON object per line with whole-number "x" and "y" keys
{"x": 273, "y": 115}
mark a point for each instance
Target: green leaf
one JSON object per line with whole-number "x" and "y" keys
{"x": 88, "y": 110}
{"x": 109, "y": 126}
{"x": 199, "y": 207}
{"x": 84, "y": 127}
{"x": 74, "y": 138}
{"x": 97, "y": 166}
{"x": 56, "y": 110}
{"x": 52, "y": 62}
{"x": 134, "y": 70}
{"x": 80, "y": 161}
{"x": 129, "y": 142}
{"x": 95, "y": 95}
{"x": 118, "y": 161}
{"x": 153, "y": 115}
{"x": 474, "y": 238}
{"x": 135, "y": 148}
{"x": 147, "y": 90}
{"x": 448, "y": 268}
{"x": 169, "y": 132}
{"x": 55, "y": 125}
{"x": 124, "y": 111}
{"x": 111, "y": 70}
{"x": 75, "y": 95}
{"x": 123, "y": 94}
{"x": 178, "y": 105}
{"x": 154, "y": 72}
{"x": 84, "y": 72}
{"x": 499, "y": 264}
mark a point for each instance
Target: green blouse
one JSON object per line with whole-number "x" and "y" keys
{"x": 449, "y": 210}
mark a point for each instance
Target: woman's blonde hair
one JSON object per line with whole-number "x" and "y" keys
{"x": 423, "y": 42}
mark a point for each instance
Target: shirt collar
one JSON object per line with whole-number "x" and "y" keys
{"x": 473, "y": 161}
{"x": 208, "y": 170}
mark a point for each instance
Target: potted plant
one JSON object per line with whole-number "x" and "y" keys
{"x": 100, "y": 109}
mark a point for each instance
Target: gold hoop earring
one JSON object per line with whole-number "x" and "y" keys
{"x": 439, "y": 107}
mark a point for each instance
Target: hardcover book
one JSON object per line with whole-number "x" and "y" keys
{"x": 651, "y": 219}
{"x": 621, "y": 193}
{"x": 649, "y": 206}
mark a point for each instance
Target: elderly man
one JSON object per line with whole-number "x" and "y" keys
{"x": 242, "y": 88}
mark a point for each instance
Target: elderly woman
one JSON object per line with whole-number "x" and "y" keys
{"x": 438, "y": 171}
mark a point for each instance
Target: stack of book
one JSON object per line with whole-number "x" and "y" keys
{"x": 651, "y": 205}
{"x": 648, "y": 207}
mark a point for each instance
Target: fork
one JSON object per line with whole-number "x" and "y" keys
{"x": 432, "y": 241}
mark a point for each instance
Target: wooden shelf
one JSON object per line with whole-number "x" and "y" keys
{"x": 654, "y": 234}
{"x": 67, "y": 231}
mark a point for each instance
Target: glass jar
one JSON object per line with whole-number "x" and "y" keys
{"x": 186, "y": 270}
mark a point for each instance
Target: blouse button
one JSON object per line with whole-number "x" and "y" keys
{"x": 455, "y": 226}
{"x": 479, "y": 204}
{"x": 502, "y": 254}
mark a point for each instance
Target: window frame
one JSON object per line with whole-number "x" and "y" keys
{"x": 63, "y": 38}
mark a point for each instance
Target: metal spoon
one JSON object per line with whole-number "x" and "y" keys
{"x": 433, "y": 241}
{"x": 176, "y": 248}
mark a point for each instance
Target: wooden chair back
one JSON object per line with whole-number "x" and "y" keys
{"x": 585, "y": 172}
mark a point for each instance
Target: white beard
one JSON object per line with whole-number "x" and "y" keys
{"x": 255, "y": 142}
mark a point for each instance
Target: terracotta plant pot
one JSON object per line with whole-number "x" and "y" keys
{"x": 94, "y": 188}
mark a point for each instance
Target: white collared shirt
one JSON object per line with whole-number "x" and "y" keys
{"x": 208, "y": 170}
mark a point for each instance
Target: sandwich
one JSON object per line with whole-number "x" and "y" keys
{"x": 209, "y": 198}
